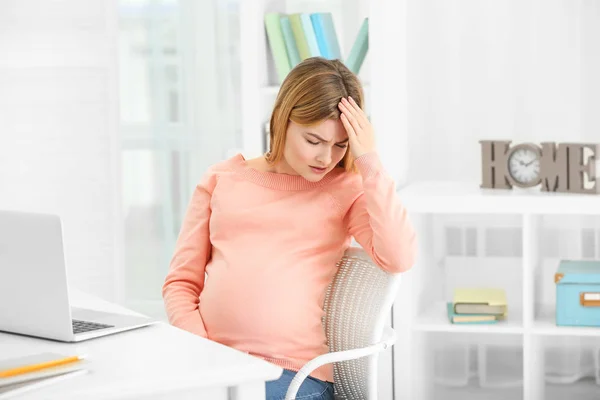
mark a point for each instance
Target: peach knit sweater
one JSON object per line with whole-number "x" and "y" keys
{"x": 257, "y": 251}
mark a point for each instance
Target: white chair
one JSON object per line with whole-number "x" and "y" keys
{"x": 357, "y": 304}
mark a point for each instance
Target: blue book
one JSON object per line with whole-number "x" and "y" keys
{"x": 326, "y": 36}
{"x": 359, "y": 48}
{"x": 469, "y": 318}
{"x": 290, "y": 43}
{"x": 309, "y": 34}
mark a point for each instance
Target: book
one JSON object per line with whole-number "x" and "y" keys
{"x": 21, "y": 374}
{"x": 277, "y": 44}
{"x": 480, "y": 301}
{"x": 295, "y": 37}
{"x": 290, "y": 43}
{"x": 309, "y": 34}
{"x": 469, "y": 318}
{"x": 326, "y": 36}
{"x": 359, "y": 49}
{"x": 299, "y": 36}
{"x": 15, "y": 389}
{"x": 37, "y": 365}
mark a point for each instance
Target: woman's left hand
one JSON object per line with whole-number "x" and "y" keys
{"x": 358, "y": 127}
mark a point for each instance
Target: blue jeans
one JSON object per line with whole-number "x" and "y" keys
{"x": 311, "y": 388}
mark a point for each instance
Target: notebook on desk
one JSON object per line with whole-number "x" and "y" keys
{"x": 22, "y": 374}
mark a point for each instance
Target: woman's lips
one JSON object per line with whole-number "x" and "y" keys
{"x": 317, "y": 170}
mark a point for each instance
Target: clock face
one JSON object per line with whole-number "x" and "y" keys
{"x": 524, "y": 166}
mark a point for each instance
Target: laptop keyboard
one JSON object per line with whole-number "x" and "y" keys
{"x": 86, "y": 326}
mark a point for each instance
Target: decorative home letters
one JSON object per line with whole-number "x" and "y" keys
{"x": 564, "y": 167}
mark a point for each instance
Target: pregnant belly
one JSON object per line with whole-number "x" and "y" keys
{"x": 263, "y": 316}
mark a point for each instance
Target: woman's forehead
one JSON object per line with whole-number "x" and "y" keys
{"x": 329, "y": 129}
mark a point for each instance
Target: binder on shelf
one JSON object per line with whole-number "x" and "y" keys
{"x": 300, "y": 36}
{"x": 309, "y": 34}
{"x": 326, "y": 36}
{"x": 295, "y": 37}
{"x": 359, "y": 48}
{"x": 277, "y": 43}
{"x": 290, "y": 43}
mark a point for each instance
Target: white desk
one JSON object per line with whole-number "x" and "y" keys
{"x": 154, "y": 362}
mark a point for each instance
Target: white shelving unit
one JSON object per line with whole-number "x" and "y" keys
{"x": 510, "y": 239}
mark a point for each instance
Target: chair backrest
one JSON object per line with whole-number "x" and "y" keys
{"x": 357, "y": 304}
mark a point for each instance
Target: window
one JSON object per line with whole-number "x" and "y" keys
{"x": 179, "y": 83}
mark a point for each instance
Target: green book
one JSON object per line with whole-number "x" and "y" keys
{"x": 277, "y": 43}
{"x": 359, "y": 49}
{"x": 480, "y": 301}
{"x": 469, "y": 318}
{"x": 299, "y": 36}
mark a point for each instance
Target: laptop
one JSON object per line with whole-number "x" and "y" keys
{"x": 34, "y": 297}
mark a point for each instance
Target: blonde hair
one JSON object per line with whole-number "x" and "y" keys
{"x": 310, "y": 95}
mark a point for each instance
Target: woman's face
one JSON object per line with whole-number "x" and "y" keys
{"x": 312, "y": 152}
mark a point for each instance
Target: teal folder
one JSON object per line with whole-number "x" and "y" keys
{"x": 290, "y": 43}
{"x": 309, "y": 34}
{"x": 326, "y": 36}
{"x": 359, "y": 48}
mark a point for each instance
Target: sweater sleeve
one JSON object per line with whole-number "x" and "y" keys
{"x": 185, "y": 279}
{"x": 378, "y": 220}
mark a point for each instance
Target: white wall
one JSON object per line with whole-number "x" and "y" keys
{"x": 484, "y": 69}
{"x": 58, "y": 128}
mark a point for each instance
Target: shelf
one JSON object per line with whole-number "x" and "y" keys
{"x": 272, "y": 90}
{"x": 435, "y": 319}
{"x": 465, "y": 197}
{"x": 545, "y": 324}
{"x": 473, "y": 391}
{"x": 584, "y": 389}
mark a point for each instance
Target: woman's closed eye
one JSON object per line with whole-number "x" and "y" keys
{"x": 341, "y": 146}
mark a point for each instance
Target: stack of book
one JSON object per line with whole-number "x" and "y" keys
{"x": 34, "y": 371}
{"x": 296, "y": 37}
{"x": 477, "y": 306}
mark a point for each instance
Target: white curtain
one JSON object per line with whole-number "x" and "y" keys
{"x": 486, "y": 69}
{"x": 180, "y": 86}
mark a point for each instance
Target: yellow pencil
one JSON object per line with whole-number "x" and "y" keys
{"x": 36, "y": 367}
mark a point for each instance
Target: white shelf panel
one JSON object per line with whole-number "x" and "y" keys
{"x": 435, "y": 319}
{"x": 585, "y": 389}
{"x": 465, "y": 197}
{"x": 545, "y": 324}
{"x": 272, "y": 90}
{"x": 473, "y": 391}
